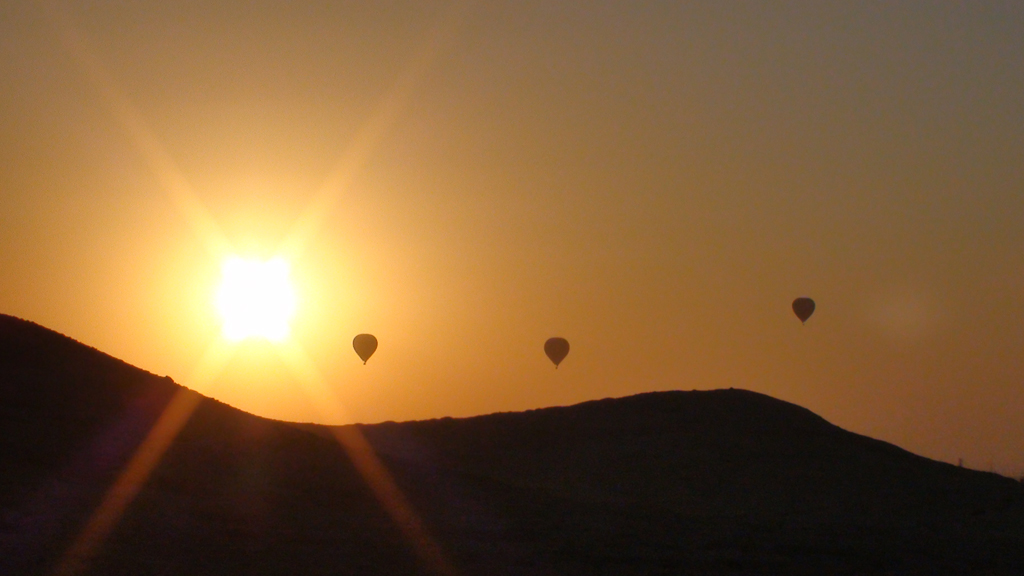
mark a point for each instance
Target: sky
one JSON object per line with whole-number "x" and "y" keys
{"x": 653, "y": 181}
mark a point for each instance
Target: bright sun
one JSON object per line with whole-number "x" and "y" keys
{"x": 256, "y": 299}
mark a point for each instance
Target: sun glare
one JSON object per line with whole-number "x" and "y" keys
{"x": 256, "y": 299}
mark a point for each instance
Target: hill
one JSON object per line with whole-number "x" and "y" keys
{"x": 715, "y": 482}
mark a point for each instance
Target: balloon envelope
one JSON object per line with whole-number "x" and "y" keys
{"x": 803, "y": 308}
{"x": 556, "y": 349}
{"x": 365, "y": 345}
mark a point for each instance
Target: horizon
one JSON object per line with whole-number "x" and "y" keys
{"x": 1019, "y": 476}
{"x": 653, "y": 183}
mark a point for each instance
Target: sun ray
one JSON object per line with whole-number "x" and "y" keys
{"x": 144, "y": 460}
{"x": 366, "y": 461}
{"x": 163, "y": 167}
{"x": 372, "y": 132}
{"x": 179, "y": 192}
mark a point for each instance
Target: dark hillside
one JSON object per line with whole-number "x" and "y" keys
{"x": 727, "y": 480}
{"x": 63, "y": 404}
{"x": 721, "y": 452}
{"x": 721, "y": 482}
{"x": 235, "y": 493}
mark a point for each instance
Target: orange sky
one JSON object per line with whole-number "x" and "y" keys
{"x": 654, "y": 182}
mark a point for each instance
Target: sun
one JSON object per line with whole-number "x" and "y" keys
{"x": 256, "y": 299}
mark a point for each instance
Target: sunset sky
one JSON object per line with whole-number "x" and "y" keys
{"x": 654, "y": 181}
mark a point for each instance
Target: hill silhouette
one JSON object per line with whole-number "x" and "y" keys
{"x": 712, "y": 482}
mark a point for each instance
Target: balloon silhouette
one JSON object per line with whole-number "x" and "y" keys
{"x": 556, "y": 349}
{"x": 803, "y": 308}
{"x": 364, "y": 345}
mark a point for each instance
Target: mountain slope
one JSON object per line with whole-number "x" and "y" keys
{"x": 234, "y": 493}
{"x": 720, "y": 482}
{"x": 702, "y": 452}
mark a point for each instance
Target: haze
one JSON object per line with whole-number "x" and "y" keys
{"x": 653, "y": 181}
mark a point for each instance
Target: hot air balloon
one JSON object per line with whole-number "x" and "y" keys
{"x": 364, "y": 345}
{"x": 556, "y": 349}
{"x": 803, "y": 308}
